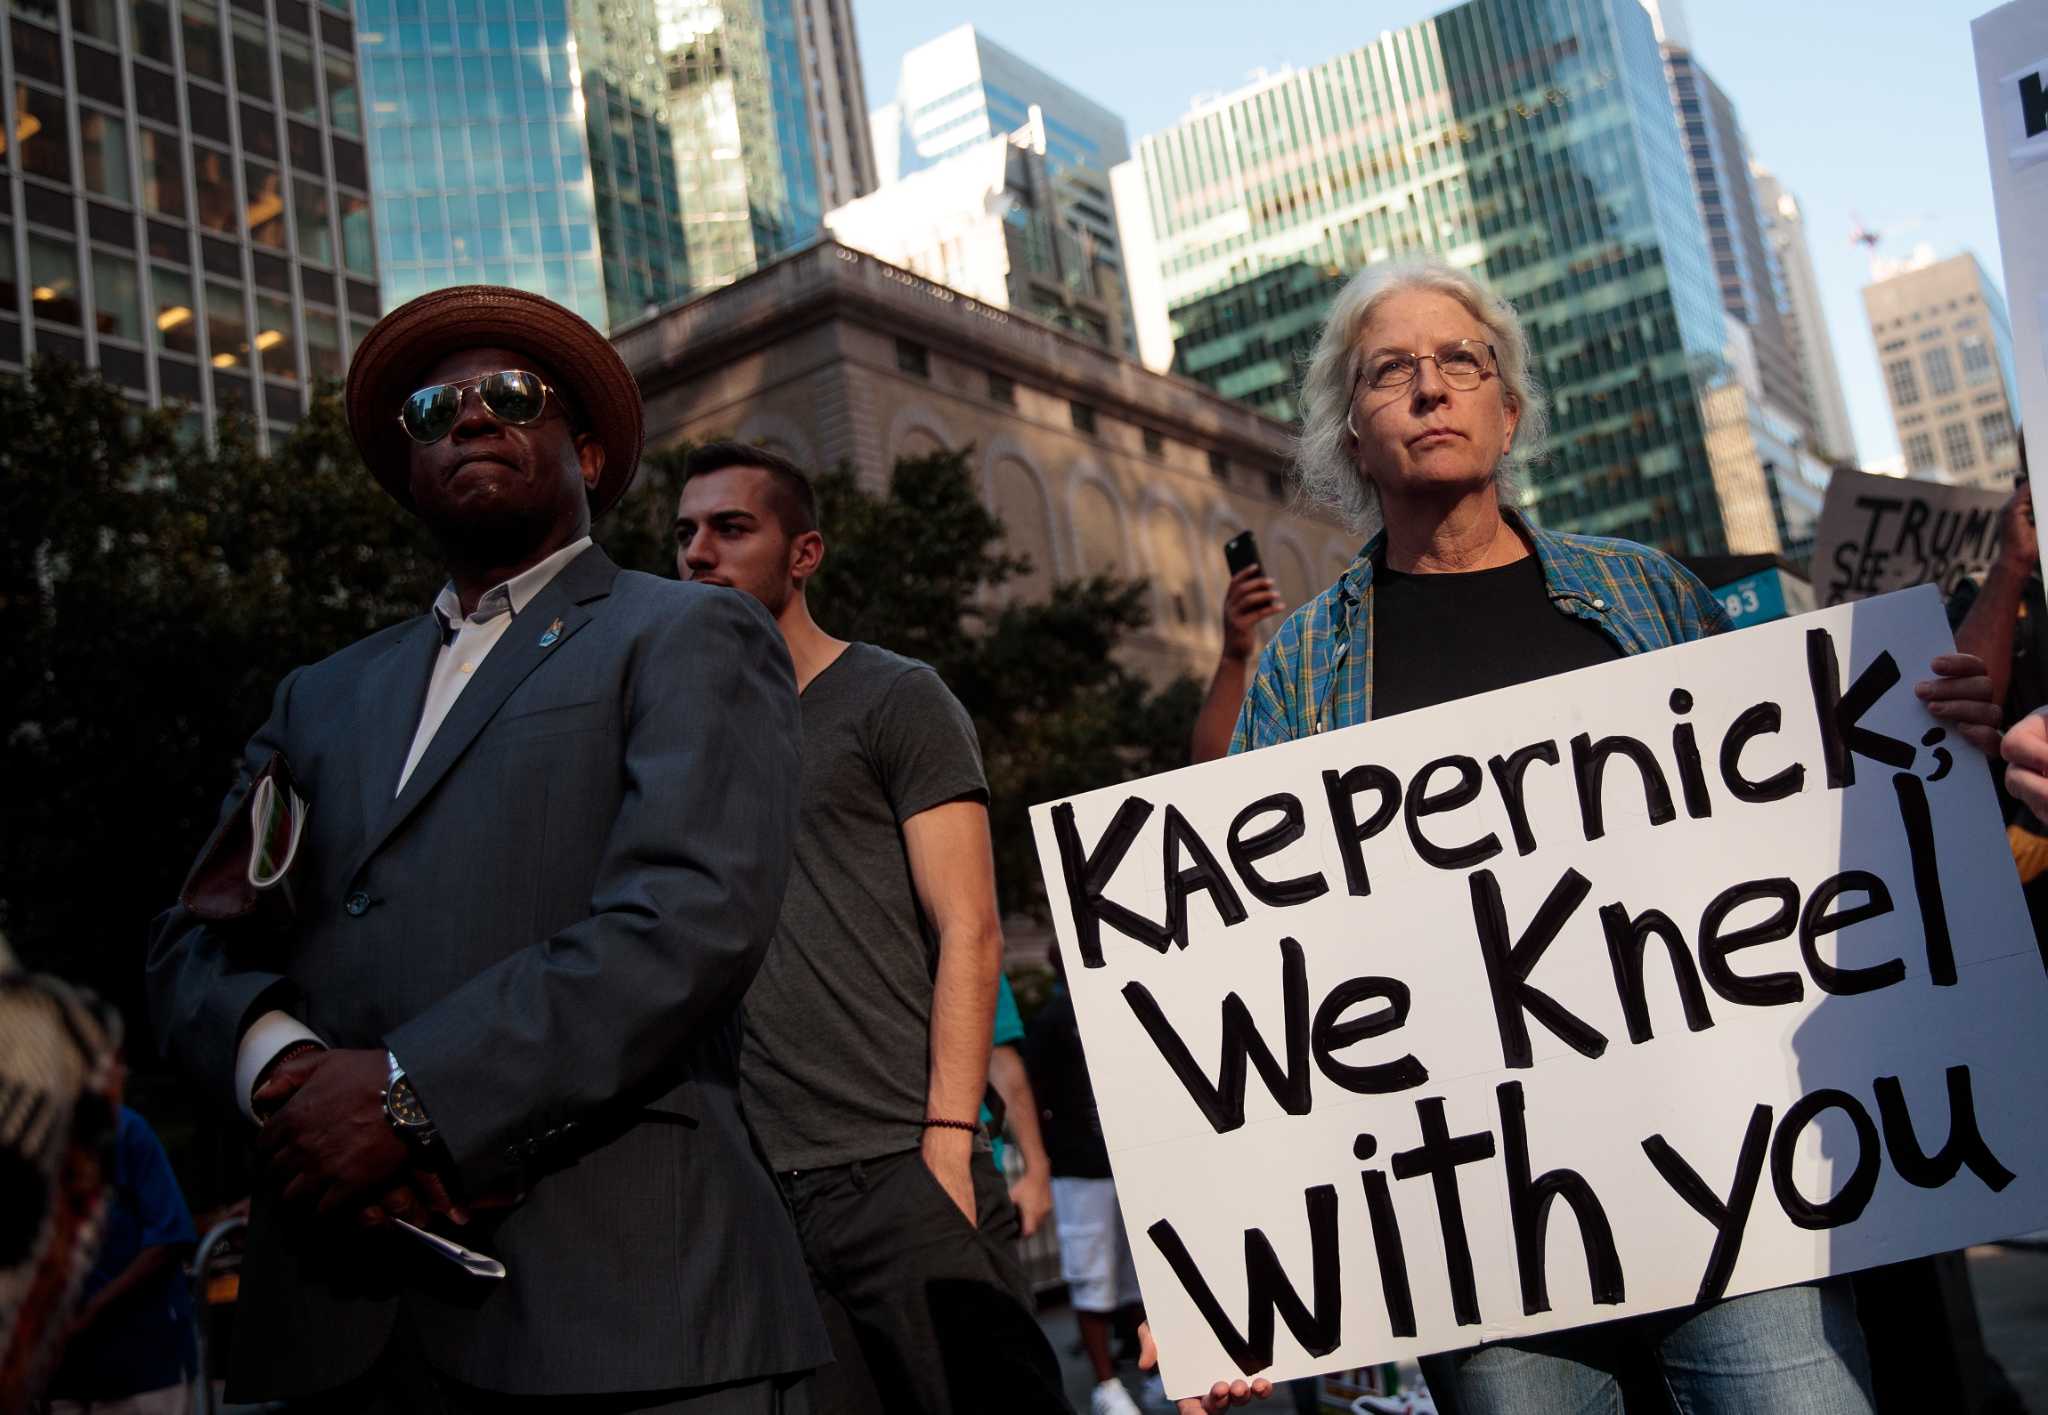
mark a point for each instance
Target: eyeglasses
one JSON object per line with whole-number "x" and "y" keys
{"x": 512, "y": 394}
{"x": 1465, "y": 364}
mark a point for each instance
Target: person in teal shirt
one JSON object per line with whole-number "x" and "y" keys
{"x": 1032, "y": 1193}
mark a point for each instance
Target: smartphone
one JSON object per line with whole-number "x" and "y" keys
{"x": 1241, "y": 550}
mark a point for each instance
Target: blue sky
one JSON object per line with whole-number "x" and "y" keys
{"x": 1864, "y": 111}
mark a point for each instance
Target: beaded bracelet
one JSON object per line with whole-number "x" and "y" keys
{"x": 969, "y": 1126}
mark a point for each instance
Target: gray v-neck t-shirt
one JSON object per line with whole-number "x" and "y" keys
{"x": 836, "y": 1029}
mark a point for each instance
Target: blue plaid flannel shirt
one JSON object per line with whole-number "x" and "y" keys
{"x": 1316, "y": 674}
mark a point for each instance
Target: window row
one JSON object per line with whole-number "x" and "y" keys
{"x": 171, "y": 317}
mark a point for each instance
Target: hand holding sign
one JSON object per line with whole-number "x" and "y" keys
{"x": 1721, "y": 946}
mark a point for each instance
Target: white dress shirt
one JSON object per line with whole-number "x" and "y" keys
{"x": 465, "y": 642}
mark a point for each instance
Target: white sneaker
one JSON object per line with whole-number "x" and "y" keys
{"x": 1110, "y": 1398}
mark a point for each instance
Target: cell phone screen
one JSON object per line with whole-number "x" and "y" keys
{"x": 1240, "y": 550}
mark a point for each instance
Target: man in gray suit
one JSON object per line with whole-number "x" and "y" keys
{"x": 548, "y": 830}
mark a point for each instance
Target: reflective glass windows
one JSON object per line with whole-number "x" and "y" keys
{"x": 227, "y": 326}
{"x": 274, "y": 341}
{"x": 103, "y": 151}
{"x": 201, "y": 24}
{"x": 116, "y": 296}
{"x": 41, "y": 133}
{"x": 177, "y": 322}
{"x": 53, "y": 279}
{"x": 310, "y": 212}
{"x": 163, "y": 173}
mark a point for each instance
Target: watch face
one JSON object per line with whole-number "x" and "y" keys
{"x": 403, "y": 1104}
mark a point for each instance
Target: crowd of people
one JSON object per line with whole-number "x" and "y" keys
{"x": 640, "y": 937}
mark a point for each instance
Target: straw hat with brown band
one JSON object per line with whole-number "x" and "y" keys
{"x": 392, "y": 361}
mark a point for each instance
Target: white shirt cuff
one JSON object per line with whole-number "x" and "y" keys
{"x": 267, "y": 1036}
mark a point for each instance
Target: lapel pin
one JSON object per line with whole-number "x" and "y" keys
{"x": 554, "y": 632}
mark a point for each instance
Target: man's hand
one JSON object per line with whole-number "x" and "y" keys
{"x": 1960, "y": 695}
{"x": 1221, "y": 1396}
{"x": 330, "y": 1144}
{"x": 281, "y": 1079}
{"x": 1250, "y": 597}
{"x": 949, "y": 1155}
{"x": 2026, "y": 757}
{"x": 1032, "y": 1194}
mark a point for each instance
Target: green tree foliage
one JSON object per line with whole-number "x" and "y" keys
{"x": 152, "y": 593}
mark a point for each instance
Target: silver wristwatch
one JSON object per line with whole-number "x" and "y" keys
{"x": 402, "y": 1106}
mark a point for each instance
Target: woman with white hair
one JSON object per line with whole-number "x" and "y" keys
{"x": 1420, "y": 408}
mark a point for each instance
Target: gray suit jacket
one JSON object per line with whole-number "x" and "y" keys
{"x": 552, "y": 927}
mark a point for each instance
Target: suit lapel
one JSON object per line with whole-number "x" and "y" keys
{"x": 529, "y": 641}
{"x": 388, "y": 700}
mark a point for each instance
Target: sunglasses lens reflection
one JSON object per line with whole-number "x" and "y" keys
{"x": 514, "y": 395}
{"x": 429, "y": 413}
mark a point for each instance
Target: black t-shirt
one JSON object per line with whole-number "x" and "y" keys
{"x": 1437, "y": 638}
{"x": 835, "y": 1040}
{"x": 1066, "y": 1098}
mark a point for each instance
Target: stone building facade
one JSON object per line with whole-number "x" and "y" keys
{"x": 1095, "y": 463}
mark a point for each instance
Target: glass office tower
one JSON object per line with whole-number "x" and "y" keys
{"x": 742, "y": 133}
{"x": 521, "y": 142}
{"x": 1531, "y": 141}
{"x": 186, "y": 198}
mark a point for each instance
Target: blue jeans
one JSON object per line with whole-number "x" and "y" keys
{"x": 1788, "y": 1351}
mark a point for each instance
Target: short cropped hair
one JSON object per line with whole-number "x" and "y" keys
{"x": 1325, "y": 455}
{"x": 796, "y": 505}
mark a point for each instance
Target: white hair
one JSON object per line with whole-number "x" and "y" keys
{"x": 1326, "y": 462}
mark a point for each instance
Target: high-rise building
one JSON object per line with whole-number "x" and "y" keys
{"x": 963, "y": 88}
{"x": 838, "y": 101}
{"x": 1805, "y": 318}
{"x": 613, "y": 158}
{"x": 187, "y": 198}
{"x": 522, "y": 144}
{"x": 1945, "y": 343}
{"x": 743, "y": 133}
{"x": 1531, "y": 141}
{"x": 1745, "y": 262}
{"x": 987, "y": 222}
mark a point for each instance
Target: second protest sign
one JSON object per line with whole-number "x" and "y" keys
{"x": 1690, "y": 975}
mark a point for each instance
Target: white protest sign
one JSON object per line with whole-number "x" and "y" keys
{"x": 2012, "y": 82}
{"x": 1722, "y": 946}
{"x": 1878, "y": 534}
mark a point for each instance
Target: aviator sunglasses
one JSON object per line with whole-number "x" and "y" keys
{"x": 512, "y": 394}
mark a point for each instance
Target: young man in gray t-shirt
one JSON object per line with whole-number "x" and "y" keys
{"x": 865, "y": 1037}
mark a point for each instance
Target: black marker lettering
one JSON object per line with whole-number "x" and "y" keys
{"x": 1840, "y": 713}
{"x": 1755, "y": 721}
{"x": 1333, "y": 1034}
{"x": 1245, "y": 853}
{"x": 1387, "y": 1249}
{"x": 1765, "y": 989}
{"x": 1627, "y": 938}
{"x": 1589, "y": 766}
{"x": 1204, "y": 875}
{"x": 1529, "y": 1203}
{"x": 1342, "y": 793}
{"x": 1507, "y": 776}
{"x": 1222, "y": 1104}
{"x": 1692, "y": 776}
{"x": 1088, "y": 874}
{"x": 1730, "y": 1218}
{"x": 1849, "y": 1200}
{"x": 1510, "y": 961}
{"x": 1267, "y": 1287}
{"x": 1439, "y": 1156}
{"x": 1964, "y": 1146}
{"x": 1816, "y": 922}
{"x": 1919, "y": 825}
{"x": 1421, "y": 803}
